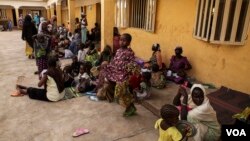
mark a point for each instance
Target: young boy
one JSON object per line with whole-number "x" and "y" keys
{"x": 166, "y": 125}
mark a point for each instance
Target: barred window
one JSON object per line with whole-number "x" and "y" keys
{"x": 222, "y": 21}
{"x": 3, "y": 14}
{"x": 136, "y": 13}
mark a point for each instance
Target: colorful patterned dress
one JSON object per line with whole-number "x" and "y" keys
{"x": 117, "y": 72}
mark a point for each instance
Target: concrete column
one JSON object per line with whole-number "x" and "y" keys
{"x": 59, "y": 13}
{"x": 71, "y": 12}
{"x": 52, "y": 9}
{"x": 107, "y": 22}
{"x": 48, "y": 13}
{"x": 17, "y": 17}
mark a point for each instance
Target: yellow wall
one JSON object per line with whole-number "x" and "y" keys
{"x": 9, "y": 15}
{"x": 78, "y": 12}
{"x": 65, "y": 17}
{"x": 91, "y": 11}
{"x": 91, "y": 16}
{"x": 27, "y": 11}
{"x": 218, "y": 64}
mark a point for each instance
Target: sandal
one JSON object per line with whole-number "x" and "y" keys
{"x": 80, "y": 131}
{"x": 17, "y": 93}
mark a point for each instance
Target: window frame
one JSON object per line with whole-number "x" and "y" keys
{"x": 212, "y": 23}
{"x": 131, "y": 12}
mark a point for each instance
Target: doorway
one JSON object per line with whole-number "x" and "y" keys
{"x": 14, "y": 17}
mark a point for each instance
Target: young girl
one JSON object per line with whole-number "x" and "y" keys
{"x": 81, "y": 53}
{"x": 75, "y": 66}
{"x": 144, "y": 90}
{"x": 52, "y": 81}
{"x": 68, "y": 77}
{"x": 41, "y": 46}
{"x": 83, "y": 79}
{"x": 158, "y": 80}
{"x": 117, "y": 72}
{"x": 166, "y": 125}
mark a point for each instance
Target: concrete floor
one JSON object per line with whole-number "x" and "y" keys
{"x": 23, "y": 119}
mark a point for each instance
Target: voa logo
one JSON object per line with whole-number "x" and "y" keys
{"x": 236, "y": 132}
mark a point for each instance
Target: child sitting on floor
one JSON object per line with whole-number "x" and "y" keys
{"x": 75, "y": 66}
{"x": 92, "y": 55}
{"x": 144, "y": 90}
{"x": 158, "y": 80}
{"x": 68, "y": 77}
{"x": 84, "y": 82}
{"x": 81, "y": 53}
{"x": 166, "y": 125}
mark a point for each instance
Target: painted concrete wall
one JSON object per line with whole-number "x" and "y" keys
{"x": 78, "y": 12}
{"x": 91, "y": 16}
{"x": 107, "y": 22}
{"x": 9, "y": 15}
{"x": 218, "y": 64}
{"x": 65, "y": 17}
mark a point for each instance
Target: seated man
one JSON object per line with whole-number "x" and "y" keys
{"x": 178, "y": 66}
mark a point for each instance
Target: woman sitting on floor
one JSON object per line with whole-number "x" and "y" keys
{"x": 157, "y": 80}
{"x": 198, "y": 111}
{"x": 52, "y": 81}
{"x": 106, "y": 55}
{"x": 178, "y": 66}
{"x": 155, "y": 58}
{"x": 92, "y": 55}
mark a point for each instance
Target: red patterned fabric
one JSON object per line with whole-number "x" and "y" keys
{"x": 116, "y": 70}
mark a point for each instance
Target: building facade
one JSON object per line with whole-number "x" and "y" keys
{"x": 213, "y": 33}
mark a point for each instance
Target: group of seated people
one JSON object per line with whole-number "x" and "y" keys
{"x": 120, "y": 78}
{"x": 176, "y": 71}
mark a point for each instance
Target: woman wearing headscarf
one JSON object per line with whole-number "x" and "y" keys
{"x": 156, "y": 57}
{"x": 196, "y": 108}
{"x": 53, "y": 21}
{"x": 29, "y": 30}
{"x": 41, "y": 26}
{"x": 84, "y": 25}
{"x": 178, "y": 66}
{"x": 41, "y": 47}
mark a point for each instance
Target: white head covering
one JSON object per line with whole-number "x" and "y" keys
{"x": 198, "y": 86}
{"x": 42, "y": 20}
{"x": 205, "y": 111}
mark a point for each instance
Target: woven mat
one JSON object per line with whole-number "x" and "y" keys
{"x": 227, "y": 102}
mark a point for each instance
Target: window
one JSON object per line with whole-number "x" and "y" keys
{"x": 3, "y": 14}
{"x": 222, "y": 21}
{"x": 136, "y": 13}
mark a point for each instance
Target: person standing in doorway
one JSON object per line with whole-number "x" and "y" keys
{"x": 28, "y": 31}
{"x": 84, "y": 25}
{"x": 37, "y": 20}
{"x": 20, "y": 21}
